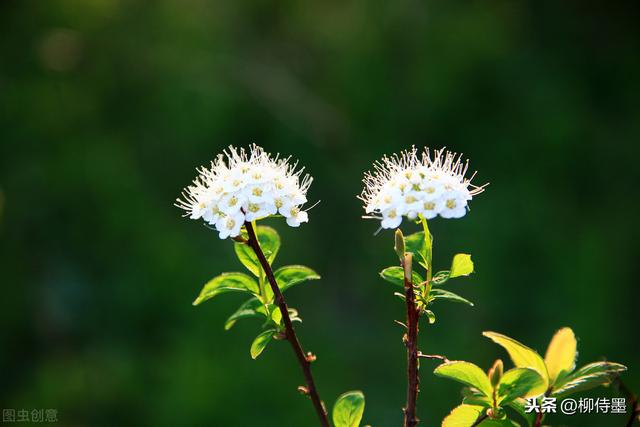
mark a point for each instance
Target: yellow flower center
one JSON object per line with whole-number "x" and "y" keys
{"x": 257, "y": 191}
{"x": 233, "y": 201}
{"x": 451, "y": 203}
{"x": 253, "y": 207}
{"x": 429, "y": 206}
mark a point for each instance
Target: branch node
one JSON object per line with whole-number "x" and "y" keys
{"x": 303, "y": 390}
{"x": 240, "y": 239}
{"x": 311, "y": 357}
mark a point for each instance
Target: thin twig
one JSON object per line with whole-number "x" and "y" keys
{"x": 413, "y": 380}
{"x": 433, "y": 356}
{"x": 633, "y": 401}
{"x": 303, "y": 360}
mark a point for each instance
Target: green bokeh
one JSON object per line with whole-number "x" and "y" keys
{"x": 108, "y": 106}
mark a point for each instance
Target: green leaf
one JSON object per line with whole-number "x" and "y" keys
{"x": 260, "y": 343}
{"x": 498, "y": 423}
{"x": 478, "y": 401}
{"x": 250, "y": 308}
{"x": 437, "y": 294}
{"x": 523, "y": 357}
{"x": 428, "y": 243}
{"x": 561, "y": 354}
{"x": 461, "y": 266}
{"x": 519, "y": 405}
{"x": 395, "y": 275}
{"x": 463, "y": 416}
{"x": 467, "y": 414}
{"x": 292, "y": 275}
{"x": 431, "y": 317}
{"x": 348, "y": 409}
{"x": 276, "y": 314}
{"x": 588, "y": 377}
{"x": 227, "y": 282}
{"x": 416, "y": 243}
{"x": 517, "y": 382}
{"x": 269, "y": 242}
{"x": 440, "y": 278}
{"x": 467, "y": 373}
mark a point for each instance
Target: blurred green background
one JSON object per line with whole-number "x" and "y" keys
{"x": 108, "y": 106}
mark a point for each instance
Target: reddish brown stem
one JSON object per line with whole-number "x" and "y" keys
{"x": 290, "y": 333}
{"x": 411, "y": 341}
{"x": 538, "y": 422}
{"x": 633, "y": 402}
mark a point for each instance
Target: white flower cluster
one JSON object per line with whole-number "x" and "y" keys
{"x": 415, "y": 185}
{"x": 241, "y": 186}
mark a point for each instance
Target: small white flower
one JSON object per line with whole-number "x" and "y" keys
{"x": 229, "y": 225}
{"x": 231, "y": 203}
{"x": 246, "y": 186}
{"x": 391, "y": 219}
{"x": 212, "y": 214}
{"x": 412, "y": 185}
{"x": 296, "y": 217}
{"x": 256, "y": 211}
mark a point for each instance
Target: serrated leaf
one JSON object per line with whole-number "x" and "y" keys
{"x": 227, "y": 282}
{"x": 517, "y": 382}
{"x": 561, "y": 354}
{"x": 467, "y": 373}
{"x": 437, "y": 294}
{"x": 250, "y": 308}
{"x": 292, "y": 275}
{"x": 260, "y": 342}
{"x": 348, "y": 409}
{"x": 269, "y": 243}
{"x": 523, "y": 357}
{"x": 588, "y": 377}
{"x": 463, "y": 416}
{"x": 395, "y": 275}
{"x": 461, "y": 266}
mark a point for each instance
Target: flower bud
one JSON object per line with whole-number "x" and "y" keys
{"x": 399, "y": 244}
{"x": 495, "y": 373}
